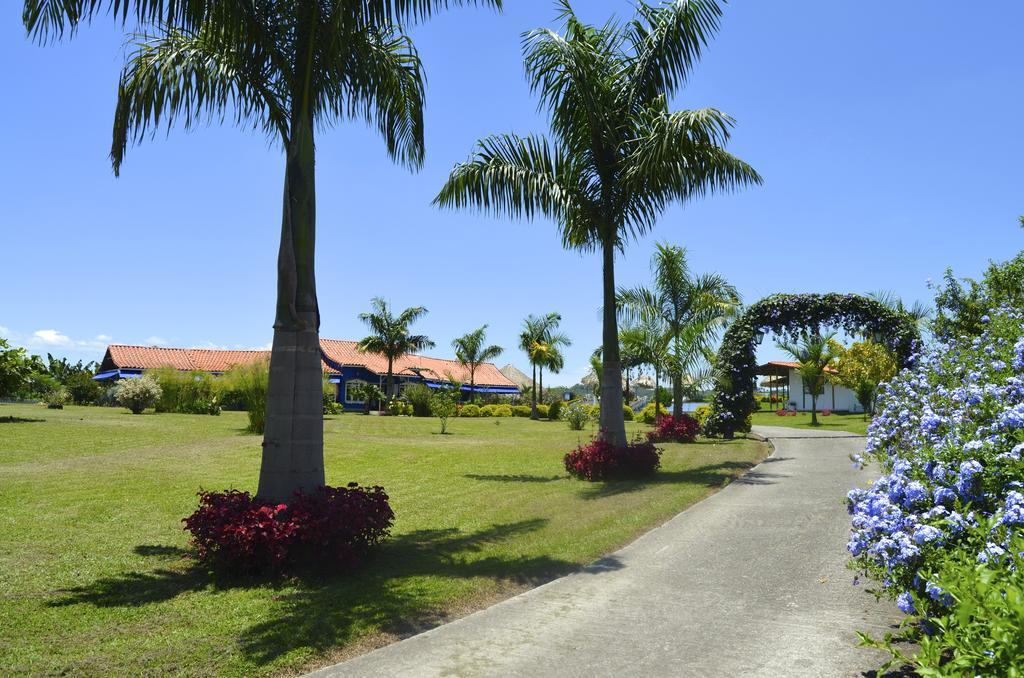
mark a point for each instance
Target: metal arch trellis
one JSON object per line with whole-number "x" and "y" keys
{"x": 787, "y": 315}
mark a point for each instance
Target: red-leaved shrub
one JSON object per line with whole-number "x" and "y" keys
{"x": 330, "y": 528}
{"x": 600, "y": 460}
{"x": 683, "y": 429}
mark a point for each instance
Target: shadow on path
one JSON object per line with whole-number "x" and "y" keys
{"x": 712, "y": 475}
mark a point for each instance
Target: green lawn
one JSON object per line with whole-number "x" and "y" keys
{"x": 852, "y": 423}
{"x": 93, "y": 581}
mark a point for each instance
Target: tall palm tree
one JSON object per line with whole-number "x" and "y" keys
{"x": 534, "y": 340}
{"x": 817, "y": 355}
{"x": 548, "y": 352}
{"x": 287, "y": 68}
{"x": 649, "y": 343}
{"x": 693, "y": 309}
{"x": 471, "y": 352}
{"x": 617, "y": 156}
{"x": 391, "y": 337}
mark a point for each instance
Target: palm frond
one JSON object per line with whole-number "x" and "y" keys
{"x": 188, "y": 77}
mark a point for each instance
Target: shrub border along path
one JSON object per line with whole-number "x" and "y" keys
{"x": 751, "y": 581}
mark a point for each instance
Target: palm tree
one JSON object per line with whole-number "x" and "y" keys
{"x": 286, "y": 68}
{"x": 919, "y": 313}
{"x": 549, "y": 355}
{"x": 391, "y": 337}
{"x": 692, "y": 308}
{"x": 534, "y": 340}
{"x": 649, "y": 343}
{"x": 816, "y": 354}
{"x": 617, "y": 156}
{"x": 471, "y": 352}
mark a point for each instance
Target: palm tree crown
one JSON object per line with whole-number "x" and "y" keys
{"x": 471, "y": 352}
{"x": 288, "y": 68}
{"x": 540, "y": 340}
{"x": 693, "y": 309}
{"x": 391, "y": 337}
{"x": 616, "y": 156}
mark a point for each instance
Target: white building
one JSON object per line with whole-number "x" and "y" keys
{"x": 784, "y": 381}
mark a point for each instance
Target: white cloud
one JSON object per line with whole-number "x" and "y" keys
{"x": 103, "y": 337}
{"x": 51, "y": 338}
{"x": 156, "y": 341}
{"x": 4, "y": 331}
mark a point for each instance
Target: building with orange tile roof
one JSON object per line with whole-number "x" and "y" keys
{"x": 342, "y": 362}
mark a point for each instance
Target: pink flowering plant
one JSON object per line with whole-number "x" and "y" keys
{"x": 949, "y": 438}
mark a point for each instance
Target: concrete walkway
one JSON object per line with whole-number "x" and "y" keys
{"x": 750, "y": 582}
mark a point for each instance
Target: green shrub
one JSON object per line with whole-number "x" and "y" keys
{"x": 543, "y": 410}
{"x": 521, "y": 410}
{"x": 594, "y": 411}
{"x": 487, "y": 410}
{"x": 576, "y": 414}
{"x": 469, "y": 410}
{"x": 330, "y": 399}
{"x": 627, "y": 413}
{"x": 418, "y": 395}
{"x": 444, "y": 404}
{"x": 186, "y": 392}
{"x": 554, "y": 409}
{"x": 138, "y": 393}
{"x": 648, "y": 416}
{"x": 504, "y": 410}
{"x": 701, "y": 414}
{"x": 83, "y": 389}
{"x": 56, "y": 399}
{"x": 248, "y": 384}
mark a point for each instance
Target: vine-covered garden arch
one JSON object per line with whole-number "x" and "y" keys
{"x": 788, "y": 315}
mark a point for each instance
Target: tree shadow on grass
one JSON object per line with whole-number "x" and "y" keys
{"x": 712, "y": 475}
{"x": 395, "y": 591}
{"x": 20, "y": 420}
{"x": 515, "y": 478}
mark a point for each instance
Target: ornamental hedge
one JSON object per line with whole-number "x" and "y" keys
{"x": 788, "y": 315}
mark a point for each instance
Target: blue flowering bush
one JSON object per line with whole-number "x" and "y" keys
{"x": 941, "y": 524}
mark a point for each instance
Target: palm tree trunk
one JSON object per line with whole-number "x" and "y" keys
{"x": 293, "y": 440}
{"x": 391, "y": 379}
{"x": 814, "y": 410}
{"x": 533, "y": 394}
{"x": 657, "y": 404}
{"x": 677, "y": 396}
{"x": 535, "y": 414}
{"x": 613, "y": 424}
{"x": 472, "y": 385}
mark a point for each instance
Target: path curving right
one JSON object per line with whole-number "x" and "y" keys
{"x": 749, "y": 582}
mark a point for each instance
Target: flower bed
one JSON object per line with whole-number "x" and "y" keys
{"x": 600, "y": 460}
{"x": 683, "y": 429}
{"x": 939, "y": 528}
{"x": 329, "y": 529}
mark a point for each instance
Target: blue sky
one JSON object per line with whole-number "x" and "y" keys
{"x": 888, "y": 134}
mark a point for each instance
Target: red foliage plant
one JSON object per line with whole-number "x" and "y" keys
{"x": 600, "y": 460}
{"x": 328, "y": 529}
{"x": 683, "y": 429}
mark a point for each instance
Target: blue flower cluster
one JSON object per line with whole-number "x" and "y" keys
{"x": 949, "y": 437}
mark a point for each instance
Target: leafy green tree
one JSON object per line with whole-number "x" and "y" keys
{"x": 83, "y": 389}
{"x": 692, "y": 308}
{"x": 617, "y": 156}
{"x": 961, "y": 305}
{"x": 817, "y": 355}
{"x": 391, "y": 337}
{"x": 471, "y": 351}
{"x": 287, "y": 68}
{"x": 862, "y": 367}
{"x": 444, "y": 403}
{"x": 16, "y": 366}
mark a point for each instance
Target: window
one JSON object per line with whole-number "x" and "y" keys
{"x": 352, "y": 394}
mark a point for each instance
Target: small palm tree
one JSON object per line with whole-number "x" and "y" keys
{"x": 471, "y": 352}
{"x": 535, "y": 340}
{"x": 817, "y": 355}
{"x": 288, "y": 68}
{"x": 919, "y": 313}
{"x": 617, "y": 156}
{"x": 649, "y": 343}
{"x": 692, "y": 308}
{"x": 391, "y": 337}
{"x": 549, "y": 355}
